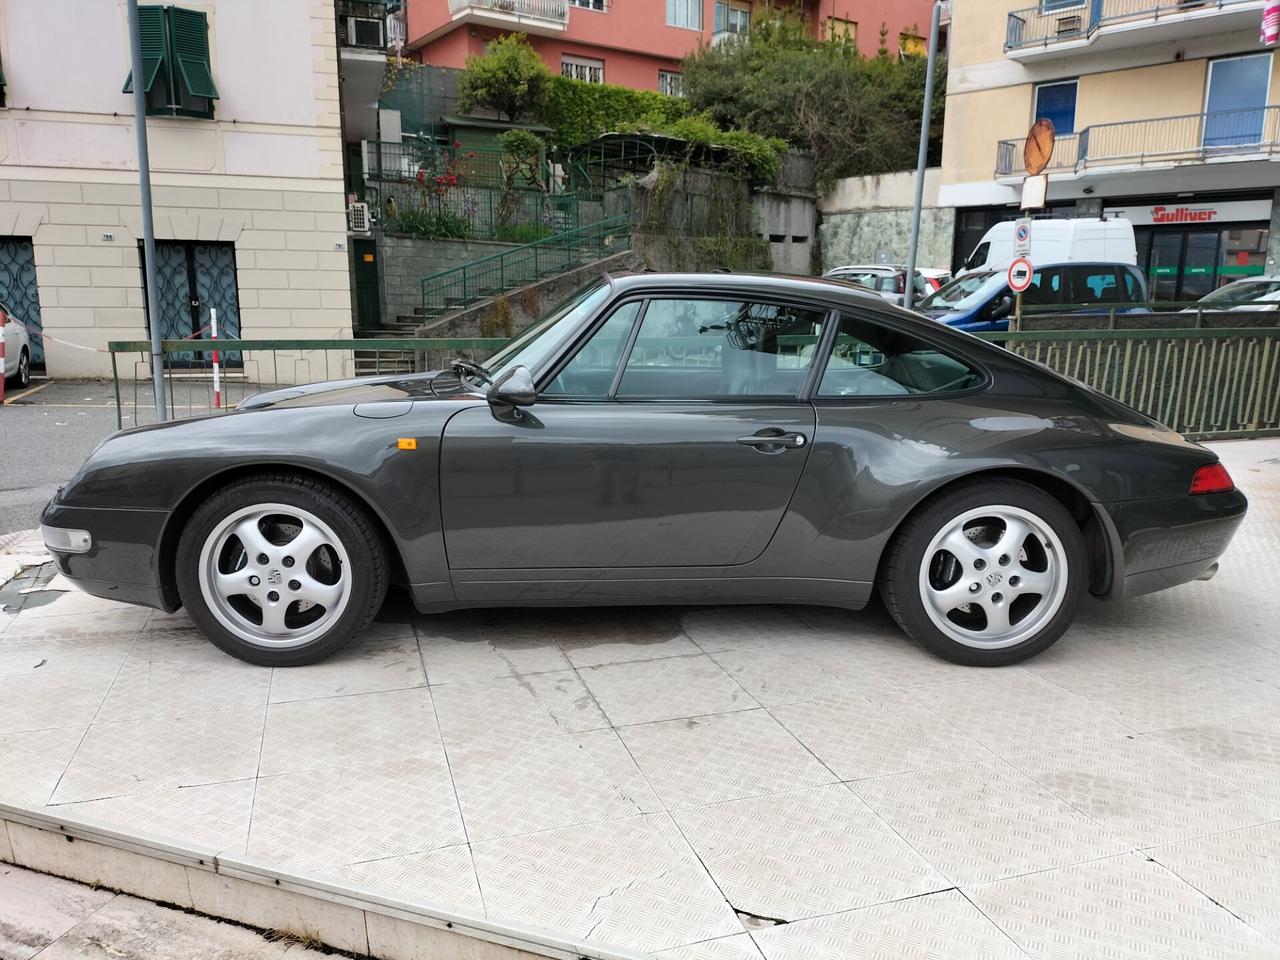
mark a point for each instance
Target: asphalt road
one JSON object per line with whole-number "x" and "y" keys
{"x": 45, "y": 433}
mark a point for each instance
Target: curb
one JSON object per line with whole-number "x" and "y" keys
{"x": 350, "y": 918}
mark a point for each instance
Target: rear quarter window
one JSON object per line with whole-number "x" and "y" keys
{"x": 871, "y": 360}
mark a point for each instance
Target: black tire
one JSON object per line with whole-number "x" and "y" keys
{"x": 349, "y": 521}
{"x": 22, "y": 376}
{"x": 900, "y": 577}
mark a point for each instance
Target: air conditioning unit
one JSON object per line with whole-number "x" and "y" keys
{"x": 365, "y": 32}
{"x": 358, "y": 217}
{"x": 1069, "y": 25}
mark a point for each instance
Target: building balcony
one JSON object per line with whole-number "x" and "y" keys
{"x": 1197, "y": 138}
{"x": 363, "y": 25}
{"x": 1054, "y": 30}
{"x": 542, "y": 17}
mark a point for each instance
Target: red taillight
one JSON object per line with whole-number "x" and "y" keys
{"x": 1212, "y": 478}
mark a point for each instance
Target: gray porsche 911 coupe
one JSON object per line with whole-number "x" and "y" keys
{"x": 675, "y": 439}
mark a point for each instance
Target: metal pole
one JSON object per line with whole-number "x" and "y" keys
{"x": 926, "y": 114}
{"x": 148, "y": 225}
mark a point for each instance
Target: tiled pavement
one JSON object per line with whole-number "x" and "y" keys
{"x": 678, "y": 781}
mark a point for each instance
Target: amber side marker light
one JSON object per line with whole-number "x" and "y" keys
{"x": 407, "y": 443}
{"x": 1212, "y": 478}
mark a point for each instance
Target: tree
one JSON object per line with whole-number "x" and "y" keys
{"x": 859, "y": 115}
{"x": 510, "y": 79}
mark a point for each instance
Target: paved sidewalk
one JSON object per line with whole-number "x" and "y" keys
{"x": 713, "y": 784}
{"x": 46, "y": 918}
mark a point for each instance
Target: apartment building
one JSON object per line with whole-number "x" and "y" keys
{"x": 639, "y": 43}
{"x": 246, "y": 152}
{"x": 1167, "y": 112}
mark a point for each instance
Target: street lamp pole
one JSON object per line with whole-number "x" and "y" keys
{"x": 926, "y": 116}
{"x": 148, "y": 224}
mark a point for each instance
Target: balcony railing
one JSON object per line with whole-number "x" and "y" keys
{"x": 362, "y": 24}
{"x": 544, "y": 12}
{"x": 1193, "y": 138}
{"x": 1046, "y": 24}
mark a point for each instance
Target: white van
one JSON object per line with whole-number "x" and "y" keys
{"x": 1058, "y": 241}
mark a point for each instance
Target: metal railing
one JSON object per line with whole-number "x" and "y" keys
{"x": 1203, "y": 382}
{"x": 471, "y": 282}
{"x": 1046, "y": 24}
{"x": 553, "y": 12}
{"x": 362, "y": 10}
{"x": 1191, "y": 138}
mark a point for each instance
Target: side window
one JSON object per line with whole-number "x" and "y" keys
{"x": 1096, "y": 284}
{"x": 1132, "y": 286}
{"x": 700, "y": 349}
{"x": 979, "y": 255}
{"x": 868, "y": 360}
{"x": 590, "y": 372}
{"x": 1045, "y": 289}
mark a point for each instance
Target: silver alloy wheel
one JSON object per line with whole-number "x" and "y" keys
{"x": 993, "y": 576}
{"x": 275, "y": 575}
{"x": 24, "y": 368}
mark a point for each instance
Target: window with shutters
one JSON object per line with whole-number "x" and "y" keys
{"x": 176, "y": 73}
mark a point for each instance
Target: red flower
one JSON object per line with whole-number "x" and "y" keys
{"x": 457, "y": 143}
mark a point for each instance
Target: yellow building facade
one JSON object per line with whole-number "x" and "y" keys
{"x": 1167, "y": 112}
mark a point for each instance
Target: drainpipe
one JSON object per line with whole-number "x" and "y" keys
{"x": 148, "y": 224}
{"x": 926, "y": 113}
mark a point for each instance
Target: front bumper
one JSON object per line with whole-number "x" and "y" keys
{"x": 1162, "y": 543}
{"x": 122, "y": 559}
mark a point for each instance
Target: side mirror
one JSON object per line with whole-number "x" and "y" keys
{"x": 1001, "y": 308}
{"x": 514, "y": 388}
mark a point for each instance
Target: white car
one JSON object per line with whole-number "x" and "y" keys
{"x": 17, "y": 349}
{"x": 1247, "y": 293}
{"x": 887, "y": 280}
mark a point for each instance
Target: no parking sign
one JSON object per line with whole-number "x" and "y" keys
{"x": 1020, "y": 274}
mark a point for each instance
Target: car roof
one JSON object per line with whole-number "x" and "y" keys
{"x": 868, "y": 266}
{"x": 760, "y": 284}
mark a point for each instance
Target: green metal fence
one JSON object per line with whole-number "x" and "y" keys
{"x": 460, "y": 286}
{"x": 1204, "y": 383}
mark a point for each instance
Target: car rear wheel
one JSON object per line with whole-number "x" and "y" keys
{"x": 987, "y": 574}
{"x": 22, "y": 376}
{"x": 281, "y": 570}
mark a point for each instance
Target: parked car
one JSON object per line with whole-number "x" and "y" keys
{"x": 1057, "y": 241}
{"x": 17, "y": 349}
{"x": 1249, "y": 293}
{"x": 982, "y": 301}
{"x": 660, "y": 438}
{"x": 937, "y": 279}
{"x": 888, "y": 281}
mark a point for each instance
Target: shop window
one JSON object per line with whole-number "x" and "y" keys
{"x": 670, "y": 83}
{"x": 582, "y": 68}
{"x": 1057, "y": 102}
{"x": 684, "y": 13}
{"x": 176, "y": 73}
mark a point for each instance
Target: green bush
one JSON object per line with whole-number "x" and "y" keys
{"x": 432, "y": 224}
{"x": 577, "y": 111}
{"x": 510, "y": 78}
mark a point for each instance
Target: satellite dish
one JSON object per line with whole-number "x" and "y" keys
{"x": 1039, "y": 147}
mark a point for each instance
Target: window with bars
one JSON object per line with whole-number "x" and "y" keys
{"x": 732, "y": 19}
{"x": 684, "y": 13}
{"x": 671, "y": 83}
{"x": 582, "y": 68}
{"x": 176, "y": 72}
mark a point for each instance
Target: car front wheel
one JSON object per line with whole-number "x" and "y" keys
{"x": 987, "y": 574}
{"x": 281, "y": 570}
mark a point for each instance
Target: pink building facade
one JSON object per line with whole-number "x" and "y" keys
{"x": 639, "y": 43}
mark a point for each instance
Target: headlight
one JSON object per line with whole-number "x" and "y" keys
{"x": 64, "y": 540}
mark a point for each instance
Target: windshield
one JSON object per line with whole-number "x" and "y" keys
{"x": 534, "y": 344}
{"x": 1242, "y": 291}
{"x": 961, "y": 293}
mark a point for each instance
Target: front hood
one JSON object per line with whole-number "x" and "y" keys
{"x": 434, "y": 385}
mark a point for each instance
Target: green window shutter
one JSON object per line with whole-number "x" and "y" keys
{"x": 151, "y": 30}
{"x": 190, "y": 32}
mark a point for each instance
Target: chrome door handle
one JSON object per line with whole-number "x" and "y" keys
{"x": 781, "y": 441}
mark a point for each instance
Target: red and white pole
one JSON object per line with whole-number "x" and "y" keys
{"x": 217, "y": 384}
{"x": 4, "y": 318}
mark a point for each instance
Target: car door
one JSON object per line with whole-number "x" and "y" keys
{"x": 672, "y": 438}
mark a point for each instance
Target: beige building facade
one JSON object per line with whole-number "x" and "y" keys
{"x": 246, "y": 155}
{"x": 1166, "y": 111}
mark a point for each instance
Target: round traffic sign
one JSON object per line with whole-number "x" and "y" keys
{"x": 1022, "y": 232}
{"x": 1020, "y": 274}
{"x": 1037, "y": 151}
